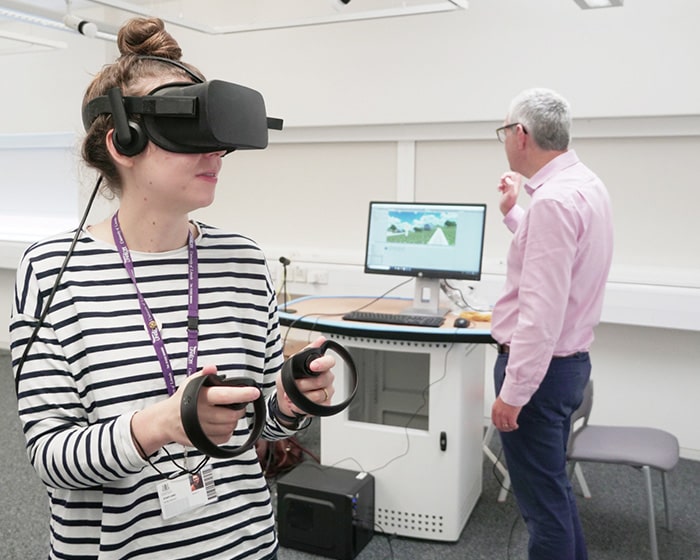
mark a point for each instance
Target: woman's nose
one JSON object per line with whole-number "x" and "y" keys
{"x": 218, "y": 153}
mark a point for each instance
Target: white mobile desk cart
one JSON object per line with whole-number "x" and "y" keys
{"x": 416, "y": 423}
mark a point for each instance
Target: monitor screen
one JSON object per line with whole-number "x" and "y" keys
{"x": 426, "y": 240}
{"x": 429, "y": 241}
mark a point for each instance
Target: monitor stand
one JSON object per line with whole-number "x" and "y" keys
{"x": 426, "y": 298}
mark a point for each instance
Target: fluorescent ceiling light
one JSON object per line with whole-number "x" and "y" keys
{"x": 587, "y": 4}
{"x": 350, "y": 11}
{"x": 51, "y": 20}
{"x": 26, "y": 17}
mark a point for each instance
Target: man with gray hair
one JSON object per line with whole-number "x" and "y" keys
{"x": 557, "y": 267}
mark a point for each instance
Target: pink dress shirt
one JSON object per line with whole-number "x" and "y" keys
{"x": 558, "y": 264}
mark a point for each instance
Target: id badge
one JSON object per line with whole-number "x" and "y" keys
{"x": 186, "y": 493}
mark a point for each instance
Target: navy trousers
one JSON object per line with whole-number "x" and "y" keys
{"x": 535, "y": 455}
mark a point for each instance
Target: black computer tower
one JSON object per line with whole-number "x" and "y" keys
{"x": 325, "y": 510}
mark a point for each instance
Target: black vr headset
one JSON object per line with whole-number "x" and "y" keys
{"x": 186, "y": 118}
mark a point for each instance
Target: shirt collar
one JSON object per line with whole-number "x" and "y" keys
{"x": 558, "y": 164}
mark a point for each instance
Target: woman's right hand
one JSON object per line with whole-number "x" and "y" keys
{"x": 161, "y": 423}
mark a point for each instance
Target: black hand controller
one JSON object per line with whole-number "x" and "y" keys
{"x": 190, "y": 419}
{"x": 297, "y": 367}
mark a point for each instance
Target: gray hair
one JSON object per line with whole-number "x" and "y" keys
{"x": 545, "y": 115}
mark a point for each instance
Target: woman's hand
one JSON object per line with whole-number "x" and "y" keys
{"x": 161, "y": 423}
{"x": 316, "y": 388}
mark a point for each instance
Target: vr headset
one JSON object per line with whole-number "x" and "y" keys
{"x": 186, "y": 118}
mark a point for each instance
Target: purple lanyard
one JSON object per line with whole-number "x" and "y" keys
{"x": 149, "y": 320}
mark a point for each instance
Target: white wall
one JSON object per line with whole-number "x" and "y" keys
{"x": 42, "y": 92}
{"x": 466, "y": 65}
{"x": 406, "y": 108}
{"x": 460, "y": 66}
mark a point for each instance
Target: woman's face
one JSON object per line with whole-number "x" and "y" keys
{"x": 181, "y": 182}
{"x": 170, "y": 180}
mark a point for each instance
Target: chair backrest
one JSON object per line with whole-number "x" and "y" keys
{"x": 579, "y": 418}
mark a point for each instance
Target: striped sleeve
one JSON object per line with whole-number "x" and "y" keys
{"x": 65, "y": 450}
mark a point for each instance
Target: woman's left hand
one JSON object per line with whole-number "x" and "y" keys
{"x": 316, "y": 388}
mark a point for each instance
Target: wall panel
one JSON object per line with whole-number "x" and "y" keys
{"x": 648, "y": 180}
{"x": 309, "y": 198}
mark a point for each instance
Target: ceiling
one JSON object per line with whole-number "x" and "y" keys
{"x": 26, "y": 17}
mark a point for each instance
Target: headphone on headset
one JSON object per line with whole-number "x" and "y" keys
{"x": 128, "y": 137}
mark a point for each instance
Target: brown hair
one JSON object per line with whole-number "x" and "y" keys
{"x": 139, "y": 37}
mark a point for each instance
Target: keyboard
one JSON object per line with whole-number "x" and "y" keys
{"x": 395, "y": 318}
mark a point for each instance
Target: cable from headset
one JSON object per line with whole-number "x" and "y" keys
{"x": 54, "y": 289}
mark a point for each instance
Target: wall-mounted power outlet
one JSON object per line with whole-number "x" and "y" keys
{"x": 317, "y": 276}
{"x": 297, "y": 273}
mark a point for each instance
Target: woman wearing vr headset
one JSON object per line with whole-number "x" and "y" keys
{"x": 146, "y": 302}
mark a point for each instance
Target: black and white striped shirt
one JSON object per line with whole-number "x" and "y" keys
{"x": 93, "y": 365}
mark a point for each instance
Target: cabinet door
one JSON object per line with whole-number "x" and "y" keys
{"x": 392, "y": 389}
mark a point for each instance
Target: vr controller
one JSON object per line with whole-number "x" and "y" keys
{"x": 190, "y": 419}
{"x": 298, "y": 366}
{"x": 295, "y": 368}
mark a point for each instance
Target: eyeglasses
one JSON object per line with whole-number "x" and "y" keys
{"x": 501, "y": 131}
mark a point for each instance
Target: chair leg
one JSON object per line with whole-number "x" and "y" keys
{"x": 505, "y": 488}
{"x": 664, "y": 480}
{"x": 582, "y": 481}
{"x": 574, "y": 469}
{"x": 652, "y": 523}
{"x": 505, "y": 485}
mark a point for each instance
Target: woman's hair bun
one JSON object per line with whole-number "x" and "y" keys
{"x": 147, "y": 36}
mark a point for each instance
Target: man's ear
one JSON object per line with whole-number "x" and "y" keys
{"x": 521, "y": 136}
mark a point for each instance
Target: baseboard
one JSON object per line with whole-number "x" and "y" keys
{"x": 692, "y": 454}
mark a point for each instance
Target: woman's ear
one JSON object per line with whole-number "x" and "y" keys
{"x": 117, "y": 156}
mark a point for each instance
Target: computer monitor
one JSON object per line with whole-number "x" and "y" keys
{"x": 428, "y": 240}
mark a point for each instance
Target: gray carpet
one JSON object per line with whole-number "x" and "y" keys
{"x": 614, "y": 519}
